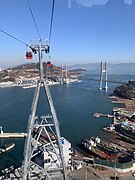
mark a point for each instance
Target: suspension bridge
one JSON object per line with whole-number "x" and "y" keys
{"x": 117, "y": 81}
{"x": 103, "y": 78}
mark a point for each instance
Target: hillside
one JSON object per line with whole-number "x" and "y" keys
{"x": 124, "y": 91}
{"x": 31, "y": 71}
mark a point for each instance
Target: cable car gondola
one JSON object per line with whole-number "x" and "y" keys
{"x": 28, "y": 55}
{"x": 48, "y": 64}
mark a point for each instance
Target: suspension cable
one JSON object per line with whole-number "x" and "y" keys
{"x": 50, "y": 29}
{"x": 51, "y": 23}
{"x": 13, "y": 37}
{"x": 34, "y": 19}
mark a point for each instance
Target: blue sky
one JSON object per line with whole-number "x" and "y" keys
{"x": 84, "y": 31}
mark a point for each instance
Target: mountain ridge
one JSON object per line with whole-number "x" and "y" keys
{"x": 120, "y": 68}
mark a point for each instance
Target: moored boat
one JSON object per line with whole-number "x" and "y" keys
{"x": 126, "y": 131}
{"x": 6, "y": 147}
{"x": 99, "y": 148}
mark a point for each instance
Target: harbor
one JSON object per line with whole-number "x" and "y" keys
{"x": 67, "y": 90}
{"x": 82, "y": 156}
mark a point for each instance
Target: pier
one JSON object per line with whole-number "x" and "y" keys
{"x": 13, "y": 135}
{"x": 102, "y": 115}
{"x": 117, "y": 102}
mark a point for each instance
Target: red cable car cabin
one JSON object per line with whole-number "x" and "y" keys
{"x": 49, "y": 64}
{"x": 28, "y": 55}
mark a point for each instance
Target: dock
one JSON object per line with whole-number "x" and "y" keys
{"x": 13, "y": 135}
{"x": 117, "y": 102}
{"x": 102, "y": 115}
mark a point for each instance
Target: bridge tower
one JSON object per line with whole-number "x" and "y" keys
{"x": 64, "y": 75}
{"x": 61, "y": 77}
{"x": 103, "y": 76}
{"x": 43, "y": 151}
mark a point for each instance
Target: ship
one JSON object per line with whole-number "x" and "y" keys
{"x": 43, "y": 136}
{"x": 100, "y": 149}
{"x": 126, "y": 131}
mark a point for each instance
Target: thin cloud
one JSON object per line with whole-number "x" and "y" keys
{"x": 128, "y": 1}
{"x": 90, "y": 3}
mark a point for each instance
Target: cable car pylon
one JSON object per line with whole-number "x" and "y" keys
{"x": 43, "y": 138}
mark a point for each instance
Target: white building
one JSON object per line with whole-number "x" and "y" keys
{"x": 50, "y": 156}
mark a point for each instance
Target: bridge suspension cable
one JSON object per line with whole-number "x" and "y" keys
{"x": 50, "y": 28}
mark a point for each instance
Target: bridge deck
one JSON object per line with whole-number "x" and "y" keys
{"x": 108, "y": 80}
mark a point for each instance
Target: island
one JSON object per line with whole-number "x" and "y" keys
{"x": 26, "y": 75}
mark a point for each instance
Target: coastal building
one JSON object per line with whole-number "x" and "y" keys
{"x": 28, "y": 81}
{"x": 52, "y": 156}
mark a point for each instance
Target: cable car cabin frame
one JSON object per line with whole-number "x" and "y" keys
{"x": 29, "y": 55}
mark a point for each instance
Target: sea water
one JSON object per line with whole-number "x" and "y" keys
{"x": 74, "y": 103}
